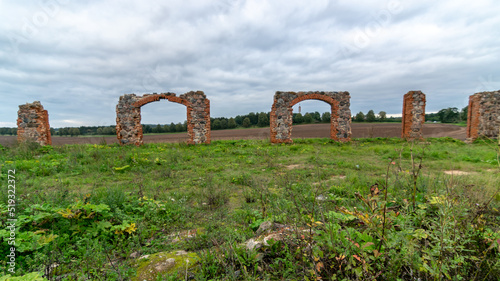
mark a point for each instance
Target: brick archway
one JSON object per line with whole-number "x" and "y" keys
{"x": 282, "y": 114}
{"x": 128, "y": 116}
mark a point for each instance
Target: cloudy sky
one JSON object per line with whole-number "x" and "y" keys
{"x": 79, "y": 57}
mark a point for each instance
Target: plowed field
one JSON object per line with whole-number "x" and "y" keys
{"x": 359, "y": 130}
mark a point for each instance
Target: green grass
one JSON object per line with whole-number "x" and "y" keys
{"x": 82, "y": 206}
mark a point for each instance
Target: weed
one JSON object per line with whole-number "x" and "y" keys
{"x": 372, "y": 209}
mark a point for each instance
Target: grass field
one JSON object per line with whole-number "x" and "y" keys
{"x": 371, "y": 209}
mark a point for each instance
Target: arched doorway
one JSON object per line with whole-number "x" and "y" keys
{"x": 311, "y": 119}
{"x": 128, "y": 116}
{"x": 282, "y": 114}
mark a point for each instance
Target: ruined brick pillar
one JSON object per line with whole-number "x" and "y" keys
{"x": 413, "y": 115}
{"x": 198, "y": 119}
{"x": 128, "y": 116}
{"x": 128, "y": 120}
{"x": 281, "y": 117}
{"x": 33, "y": 124}
{"x": 483, "y": 118}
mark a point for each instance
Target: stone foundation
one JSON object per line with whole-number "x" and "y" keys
{"x": 128, "y": 116}
{"x": 33, "y": 124}
{"x": 483, "y": 118}
{"x": 413, "y": 115}
{"x": 282, "y": 114}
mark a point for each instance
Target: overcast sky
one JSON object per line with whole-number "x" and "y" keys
{"x": 79, "y": 57}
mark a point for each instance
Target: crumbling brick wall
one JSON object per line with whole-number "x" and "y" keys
{"x": 413, "y": 115}
{"x": 281, "y": 118}
{"x": 483, "y": 115}
{"x": 33, "y": 124}
{"x": 128, "y": 116}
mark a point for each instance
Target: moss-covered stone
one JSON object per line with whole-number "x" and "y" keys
{"x": 151, "y": 266}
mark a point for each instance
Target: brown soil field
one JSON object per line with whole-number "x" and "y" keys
{"x": 359, "y": 130}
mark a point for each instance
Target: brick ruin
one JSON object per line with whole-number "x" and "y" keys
{"x": 413, "y": 115}
{"x": 281, "y": 118}
{"x": 128, "y": 116}
{"x": 33, "y": 124}
{"x": 483, "y": 118}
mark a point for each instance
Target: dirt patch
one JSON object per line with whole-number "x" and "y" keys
{"x": 340, "y": 177}
{"x": 294, "y": 166}
{"x": 457, "y": 173}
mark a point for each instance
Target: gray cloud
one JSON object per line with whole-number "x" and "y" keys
{"x": 77, "y": 58}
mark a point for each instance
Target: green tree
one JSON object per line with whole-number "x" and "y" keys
{"x": 298, "y": 118}
{"x": 254, "y": 118}
{"x": 173, "y": 129}
{"x": 146, "y": 129}
{"x": 263, "y": 120}
{"x": 360, "y": 117}
{"x": 231, "y": 124}
{"x": 316, "y": 116}
{"x": 107, "y": 131}
{"x": 326, "y": 117}
{"x": 216, "y": 124}
{"x": 370, "y": 116}
{"x": 157, "y": 129}
{"x": 179, "y": 127}
{"x": 223, "y": 123}
{"x": 449, "y": 115}
{"x": 464, "y": 113}
{"x": 308, "y": 118}
{"x": 74, "y": 132}
{"x": 239, "y": 120}
{"x": 382, "y": 116}
{"x": 246, "y": 122}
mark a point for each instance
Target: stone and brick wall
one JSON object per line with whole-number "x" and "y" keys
{"x": 483, "y": 115}
{"x": 281, "y": 118}
{"x": 413, "y": 115}
{"x": 128, "y": 116}
{"x": 33, "y": 124}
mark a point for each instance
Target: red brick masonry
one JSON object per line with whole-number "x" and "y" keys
{"x": 413, "y": 115}
{"x": 281, "y": 118}
{"x": 128, "y": 116}
{"x": 33, "y": 124}
{"x": 483, "y": 118}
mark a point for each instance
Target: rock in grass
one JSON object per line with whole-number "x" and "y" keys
{"x": 134, "y": 255}
{"x": 151, "y": 266}
{"x": 252, "y": 244}
{"x": 267, "y": 225}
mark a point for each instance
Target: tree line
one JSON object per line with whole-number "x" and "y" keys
{"x": 445, "y": 115}
{"x": 253, "y": 119}
{"x": 449, "y": 115}
{"x": 371, "y": 117}
{"x": 6, "y": 131}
